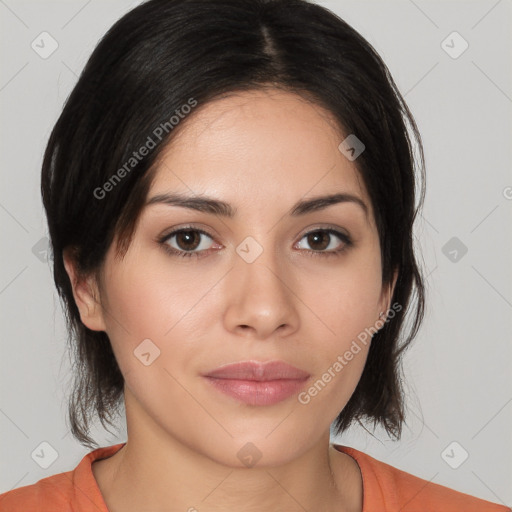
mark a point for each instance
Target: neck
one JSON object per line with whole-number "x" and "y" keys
{"x": 156, "y": 471}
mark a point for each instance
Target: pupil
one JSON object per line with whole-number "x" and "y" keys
{"x": 188, "y": 236}
{"x": 313, "y": 238}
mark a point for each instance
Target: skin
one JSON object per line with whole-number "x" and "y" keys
{"x": 260, "y": 151}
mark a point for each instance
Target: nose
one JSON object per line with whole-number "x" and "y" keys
{"x": 261, "y": 298}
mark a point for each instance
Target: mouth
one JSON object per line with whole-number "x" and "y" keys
{"x": 258, "y": 383}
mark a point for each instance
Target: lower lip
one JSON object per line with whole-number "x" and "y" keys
{"x": 257, "y": 392}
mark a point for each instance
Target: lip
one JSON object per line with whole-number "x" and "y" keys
{"x": 258, "y": 371}
{"x": 258, "y": 383}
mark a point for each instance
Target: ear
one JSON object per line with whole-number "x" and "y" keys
{"x": 387, "y": 295}
{"x": 86, "y": 294}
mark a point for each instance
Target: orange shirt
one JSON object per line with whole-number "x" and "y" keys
{"x": 385, "y": 489}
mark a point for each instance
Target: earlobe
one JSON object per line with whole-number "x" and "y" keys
{"x": 86, "y": 295}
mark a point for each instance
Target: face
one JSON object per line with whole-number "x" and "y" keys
{"x": 269, "y": 282}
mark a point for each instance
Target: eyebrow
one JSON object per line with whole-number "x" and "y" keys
{"x": 217, "y": 207}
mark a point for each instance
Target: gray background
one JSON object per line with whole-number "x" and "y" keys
{"x": 459, "y": 368}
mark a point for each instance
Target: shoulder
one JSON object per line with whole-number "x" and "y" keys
{"x": 75, "y": 490}
{"x": 389, "y": 488}
{"x": 45, "y": 495}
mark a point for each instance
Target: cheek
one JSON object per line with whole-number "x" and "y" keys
{"x": 149, "y": 301}
{"x": 338, "y": 368}
{"x": 335, "y": 380}
{"x": 346, "y": 304}
{"x": 345, "y": 300}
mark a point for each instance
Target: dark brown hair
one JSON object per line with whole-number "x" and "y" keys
{"x": 142, "y": 72}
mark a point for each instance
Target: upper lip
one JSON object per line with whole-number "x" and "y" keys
{"x": 258, "y": 371}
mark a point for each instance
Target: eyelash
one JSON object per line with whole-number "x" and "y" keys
{"x": 348, "y": 243}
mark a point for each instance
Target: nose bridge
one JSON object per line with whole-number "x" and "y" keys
{"x": 258, "y": 262}
{"x": 260, "y": 296}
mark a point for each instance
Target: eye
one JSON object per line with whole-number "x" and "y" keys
{"x": 322, "y": 239}
{"x": 190, "y": 242}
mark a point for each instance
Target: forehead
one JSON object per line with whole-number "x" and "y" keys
{"x": 267, "y": 147}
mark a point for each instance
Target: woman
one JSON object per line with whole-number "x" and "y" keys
{"x": 230, "y": 193}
